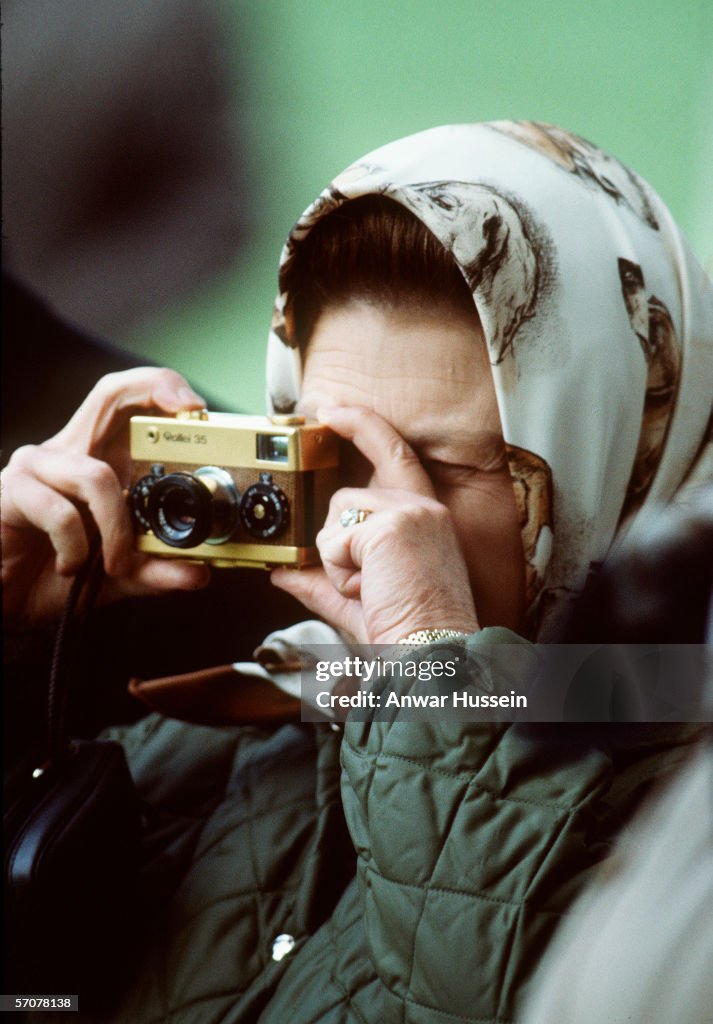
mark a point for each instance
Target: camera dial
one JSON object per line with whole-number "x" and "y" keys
{"x": 264, "y": 509}
{"x": 188, "y": 509}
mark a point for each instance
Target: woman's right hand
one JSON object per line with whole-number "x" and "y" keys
{"x": 52, "y": 493}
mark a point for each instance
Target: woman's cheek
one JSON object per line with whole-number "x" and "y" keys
{"x": 486, "y": 525}
{"x": 482, "y": 507}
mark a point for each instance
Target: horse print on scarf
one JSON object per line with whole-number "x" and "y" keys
{"x": 532, "y": 485}
{"x": 505, "y": 254}
{"x": 582, "y": 158}
{"x": 651, "y": 322}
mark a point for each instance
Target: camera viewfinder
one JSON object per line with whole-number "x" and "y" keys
{"x": 271, "y": 447}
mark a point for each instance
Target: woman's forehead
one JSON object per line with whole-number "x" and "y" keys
{"x": 427, "y": 375}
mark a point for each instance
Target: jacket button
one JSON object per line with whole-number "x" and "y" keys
{"x": 282, "y": 945}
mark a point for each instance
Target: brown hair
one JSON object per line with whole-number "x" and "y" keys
{"x": 371, "y": 249}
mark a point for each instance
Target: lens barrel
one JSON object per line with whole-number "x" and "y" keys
{"x": 188, "y": 509}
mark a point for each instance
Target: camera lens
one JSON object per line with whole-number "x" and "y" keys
{"x": 187, "y": 509}
{"x": 182, "y": 508}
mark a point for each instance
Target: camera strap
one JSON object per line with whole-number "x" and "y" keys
{"x": 81, "y": 599}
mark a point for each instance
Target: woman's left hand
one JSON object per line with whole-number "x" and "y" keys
{"x": 399, "y": 570}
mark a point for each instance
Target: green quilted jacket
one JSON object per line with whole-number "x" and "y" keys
{"x": 471, "y": 843}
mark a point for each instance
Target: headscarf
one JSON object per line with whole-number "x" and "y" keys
{"x": 597, "y": 318}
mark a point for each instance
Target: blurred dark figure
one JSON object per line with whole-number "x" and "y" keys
{"x": 657, "y": 589}
{"x": 48, "y": 366}
{"x": 122, "y": 184}
{"x": 649, "y": 907}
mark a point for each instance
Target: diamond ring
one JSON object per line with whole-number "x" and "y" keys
{"x": 352, "y": 516}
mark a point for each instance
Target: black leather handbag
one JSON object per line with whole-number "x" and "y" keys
{"x": 72, "y": 843}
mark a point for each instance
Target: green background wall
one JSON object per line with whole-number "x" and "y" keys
{"x": 323, "y": 82}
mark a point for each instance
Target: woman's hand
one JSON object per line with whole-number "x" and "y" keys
{"x": 399, "y": 570}
{"x": 52, "y": 493}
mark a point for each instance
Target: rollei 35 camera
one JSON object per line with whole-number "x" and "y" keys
{"x": 231, "y": 489}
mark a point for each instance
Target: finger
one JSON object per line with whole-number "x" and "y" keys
{"x": 341, "y": 547}
{"x": 350, "y": 586}
{"x": 401, "y": 522}
{"x": 349, "y": 498}
{"x": 158, "y": 574}
{"x": 94, "y": 484}
{"x": 119, "y": 395}
{"x": 345, "y": 578}
{"x": 395, "y": 462}
{"x": 152, "y": 579}
{"x": 314, "y": 590}
{"x": 34, "y": 504}
{"x": 372, "y": 500}
{"x": 334, "y": 546}
{"x": 375, "y": 501}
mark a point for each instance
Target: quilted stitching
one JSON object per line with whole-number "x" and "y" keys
{"x": 471, "y": 845}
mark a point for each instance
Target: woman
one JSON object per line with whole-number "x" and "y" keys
{"x": 509, "y": 424}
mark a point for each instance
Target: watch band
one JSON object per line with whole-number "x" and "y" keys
{"x": 430, "y": 636}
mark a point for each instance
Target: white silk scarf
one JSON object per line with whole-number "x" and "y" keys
{"x": 598, "y": 321}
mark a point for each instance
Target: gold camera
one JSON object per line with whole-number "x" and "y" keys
{"x": 231, "y": 489}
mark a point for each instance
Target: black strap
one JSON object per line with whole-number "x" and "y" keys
{"x": 66, "y": 649}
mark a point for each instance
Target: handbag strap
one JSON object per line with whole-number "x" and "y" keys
{"x": 80, "y": 601}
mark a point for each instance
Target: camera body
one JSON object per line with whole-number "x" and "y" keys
{"x": 231, "y": 489}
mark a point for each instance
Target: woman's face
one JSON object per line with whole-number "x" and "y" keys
{"x": 427, "y": 373}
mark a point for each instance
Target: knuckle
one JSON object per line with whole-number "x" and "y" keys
{"x": 398, "y": 519}
{"x": 108, "y": 385}
{"x": 440, "y": 513}
{"x": 65, "y": 517}
{"x": 310, "y": 588}
{"x": 333, "y": 504}
{"x": 399, "y": 451}
{"x": 96, "y": 474}
{"x": 423, "y": 513}
{"x": 362, "y": 415}
{"x": 22, "y": 458}
{"x": 103, "y": 396}
{"x": 171, "y": 378}
{"x": 337, "y": 502}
